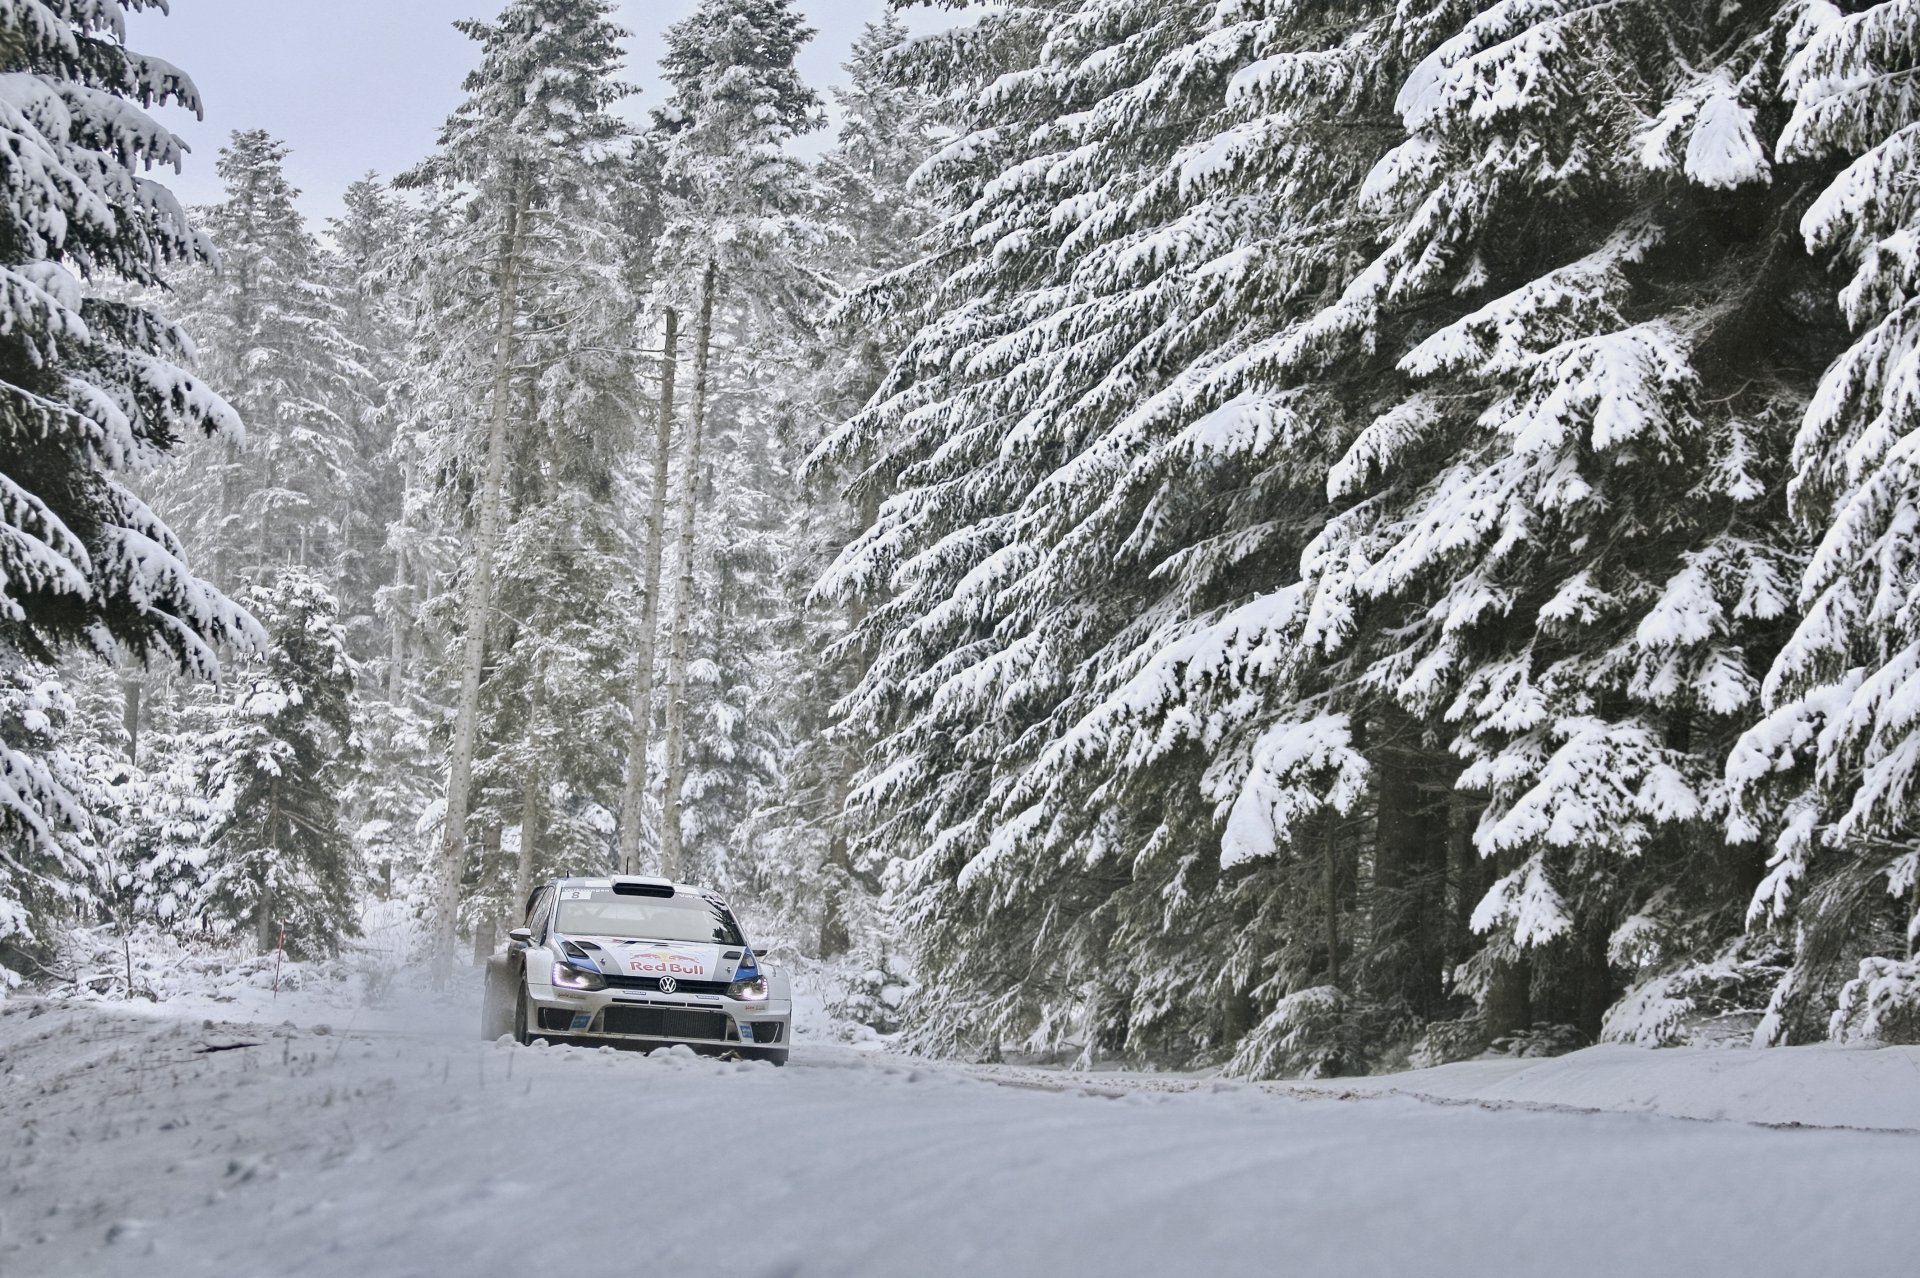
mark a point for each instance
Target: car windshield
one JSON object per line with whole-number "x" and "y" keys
{"x": 685, "y": 917}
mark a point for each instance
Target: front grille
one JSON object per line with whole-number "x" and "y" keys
{"x": 664, "y": 1022}
{"x": 766, "y": 1032}
{"x": 556, "y": 1018}
{"x": 653, "y": 983}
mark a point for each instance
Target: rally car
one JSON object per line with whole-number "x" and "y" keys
{"x": 641, "y": 961}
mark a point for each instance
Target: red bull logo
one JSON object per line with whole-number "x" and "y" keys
{"x": 665, "y": 963}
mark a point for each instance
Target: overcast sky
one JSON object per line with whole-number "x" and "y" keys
{"x": 353, "y": 85}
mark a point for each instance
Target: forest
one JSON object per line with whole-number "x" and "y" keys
{"x": 1295, "y": 536}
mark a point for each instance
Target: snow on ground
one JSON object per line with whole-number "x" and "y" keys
{"x": 1821, "y": 1086}
{"x": 164, "y": 1145}
{"x": 1816, "y": 1086}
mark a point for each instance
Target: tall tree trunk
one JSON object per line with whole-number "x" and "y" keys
{"x": 130, "y": 717}
{"x": 1408, "y": 898}
{"x": 263, "y": 913}
{"x": 835, "y": 937}
{"x": 670, "y": 848}
{"x": 1331, "y": 890}
{"x": 453, "y": 835}
{"x": 1509, "y": 1006}
{"x": 398, "y": 624}
{"x": 529, "y": 803}
{"x": 640, "y": 699}
{"x": 401, "y": 604}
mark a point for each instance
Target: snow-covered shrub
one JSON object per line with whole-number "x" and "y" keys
{"x": 878, "y": 985}
{"x": 1540, "y": 1040}
{"x": 1699, "y": 1003}
{"x": 49, "y": 860}
{"x": 153, "y": 963}
{"x": 1444, "y": 1042}
{"x": 1311, "y": 1034}
{"x": 1882, "y": 1005}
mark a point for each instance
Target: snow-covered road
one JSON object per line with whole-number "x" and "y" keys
{"x": 137, "y": 1146}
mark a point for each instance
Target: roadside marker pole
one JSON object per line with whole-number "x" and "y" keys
{"x": 278, "y": 954}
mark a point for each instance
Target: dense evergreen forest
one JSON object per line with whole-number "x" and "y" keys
{"x": 1299, "y": 535}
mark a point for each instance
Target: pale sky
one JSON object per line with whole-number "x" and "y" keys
{"x": 353, "y": 85}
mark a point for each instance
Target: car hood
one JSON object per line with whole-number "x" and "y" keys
{"x": 682, "y": 960}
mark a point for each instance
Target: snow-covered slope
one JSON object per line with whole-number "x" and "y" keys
{"x": 178, "y": 1147}
{"x": 1816, "y": 1086}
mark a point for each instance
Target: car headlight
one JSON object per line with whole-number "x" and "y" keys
{"x": 568, "y": 977}
{"x": 753, "y": 989}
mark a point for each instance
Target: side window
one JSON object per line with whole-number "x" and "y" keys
{"x": 539, "y": 913}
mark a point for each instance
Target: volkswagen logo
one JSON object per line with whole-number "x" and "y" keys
{"x": 668, "y": 985}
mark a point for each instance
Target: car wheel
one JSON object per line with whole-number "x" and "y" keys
{"x": 520, "y": 1034}
{"x": 774, "y": 1055}
{"x": 496, "y": 1007}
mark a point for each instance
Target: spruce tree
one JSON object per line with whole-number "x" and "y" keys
{"x": 94, "y": 390}
{"x": 278, "y": 748}
{"x": 1823, "y": 782}
{"x": 531, "y": 142}
{"x": 735, "y": 234}
{"x": 273, "y": 335}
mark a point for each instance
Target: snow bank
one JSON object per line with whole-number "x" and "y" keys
{"x": 186, "y": 1148}
{"x": 1815, "y": 1086}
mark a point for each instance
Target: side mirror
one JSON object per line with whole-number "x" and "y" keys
{"x": 520, "y": 938}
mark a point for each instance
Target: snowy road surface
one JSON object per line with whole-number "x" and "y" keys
{"x": 159, "y": 1146}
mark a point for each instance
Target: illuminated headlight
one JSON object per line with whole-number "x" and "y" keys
{"x": 752, "y": 990}
{"x": 568, "y": 977}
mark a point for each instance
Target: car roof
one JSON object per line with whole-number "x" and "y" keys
{"x": 608, "y": 880}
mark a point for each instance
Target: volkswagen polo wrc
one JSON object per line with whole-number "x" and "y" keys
{"x": 637, "y": 960}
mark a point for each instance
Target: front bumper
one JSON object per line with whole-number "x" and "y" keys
{"x": 699, "y": 1020}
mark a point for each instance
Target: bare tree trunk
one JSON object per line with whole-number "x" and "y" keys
{"x": 670, "y": 844}
{"x": 230, "y": 461}
{"x": 400, "y": 605}
{"x": 397, "y": 656}
{"x": 453, "y": 835}
{"x": 1331, "y": 887}
{"x": 640, "y": 702}
{"x": 263, "y": 915}
{"x": 529, "y": 804}
{"x": 835, "y": 937}
{"x": 130, "y": 717}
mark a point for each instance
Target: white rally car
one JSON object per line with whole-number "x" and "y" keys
{"x": 637, "y": 960}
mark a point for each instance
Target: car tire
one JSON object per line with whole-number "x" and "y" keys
{"x": 521, "y": 1034}
{"x": 496, "y": 1006}
{"x": 772, "y": 1055}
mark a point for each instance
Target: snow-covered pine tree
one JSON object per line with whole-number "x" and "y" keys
{"x": 1562, "y": 535}
{"x": 1467, "y": 438}
{"x": 552, "y": 708}
{"x": 742, "y": 667}
{"x": 1553, "y": 547}
{"x": 369, "y": 241}
{"x": 389, "y": 551}
{"x": 1824, "y": 781}
{"x": 1138, "y": 196}
{"x": 737, "y": 236}
{"x": 888, "y": 129}
{"x": 278, "y": 746}
{"x": 92, "y": 389}
{"x": 273, "y": 336}
{"x": 528, "y": 149}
